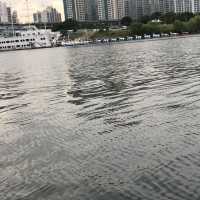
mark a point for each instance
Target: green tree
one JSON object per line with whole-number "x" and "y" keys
{"x": 151, "y": 28}
{"x": 168, "y": 18}
{"x": 186, "y": 16}
{"x": 179, "y": 26}
{"x": 193, "y": 25}
{"x": 69, "y": 24}
{"x": 197, "y": 22}
{"x": 136, "y": 28}
{"x": 166, "y": 28}
{"x": 155, "y": 15}
{"x": 126, "y": 21}
{"x": 145, "y": 19}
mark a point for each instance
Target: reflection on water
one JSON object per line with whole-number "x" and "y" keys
{"x": 108, "y": 122}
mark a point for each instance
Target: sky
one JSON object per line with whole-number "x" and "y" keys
{"x": 34, "y": 5}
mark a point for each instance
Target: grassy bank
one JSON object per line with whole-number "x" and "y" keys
{"x": 110, "y": 34}
{"x": 191, "y": 26}
{"x": 169, "y": 23}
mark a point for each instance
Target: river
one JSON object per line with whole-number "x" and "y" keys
{"x": 101, "y": 123}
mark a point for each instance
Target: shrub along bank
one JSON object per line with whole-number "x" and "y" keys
{"x": 191, "y": 26}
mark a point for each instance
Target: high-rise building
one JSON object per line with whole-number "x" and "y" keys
{"x": 162, "y": 6}
{"x": 9, "y": 13}
{"x": 120, "y": 9}
{"x": 111, "y": 9}
{"x": 49, "y": 15}
{"x": 178, "y": 6}
{"x": 139, "y": 8}
{"x": 84, "y": 10}
{"x": 80, "y": 10}
{"x": 155, "y": 6}
{"x": 69, "y": 9}
{"x": 53, "y": 16}
{"x": 3, "y": 13}
{"x": 146, "y": 8}
{"x": 102, "y": 12}
{"x": 169, "y": 6}
{"x": 133, "y": 9}
{"x": 188, "y": 5}
{"x": 37, "y": 17}
{"x": 15, "y": 17}
{"x": 91, "y": 12}
{"x": 181, "y": 6}
{"x": 196, "y": 6}
{"x": 126, "y": 7}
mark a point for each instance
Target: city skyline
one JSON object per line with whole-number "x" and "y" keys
{"x": 34, "y": 6}
{"x": 83, "y": 10}
{"x": 91, "y": 10}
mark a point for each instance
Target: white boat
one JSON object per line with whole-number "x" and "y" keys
{"x": 114, "y": 40}
{"x": 130, "y": 38}
{"x": 147, "y": 36}
{"x": 29, "y": 38}
{"x": 75, "y": 43}
{"x": 138, "y": 37}
{"x": 156, "y": 35}
{"x": 121, "y": 39}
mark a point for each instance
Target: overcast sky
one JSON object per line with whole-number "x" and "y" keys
{"x": 34, "y": 5}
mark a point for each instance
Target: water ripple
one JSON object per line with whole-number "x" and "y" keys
{"x": 106, "y": 122}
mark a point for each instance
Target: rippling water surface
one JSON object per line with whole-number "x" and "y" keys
{"x": 101, "y": 123}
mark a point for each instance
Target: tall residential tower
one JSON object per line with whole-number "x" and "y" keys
{"x": 69, "y": 9}
{"x": 90, "y": 10}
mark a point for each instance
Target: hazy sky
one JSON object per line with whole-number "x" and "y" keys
{"x": 34, "y": 5}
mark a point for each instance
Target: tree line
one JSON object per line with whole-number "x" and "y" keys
{"x": 178, "y": 26}
{"x": 167, "y": 18}
{"x": 156, "y": 23}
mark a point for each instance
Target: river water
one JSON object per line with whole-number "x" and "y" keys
{"x": 101, "y": 123}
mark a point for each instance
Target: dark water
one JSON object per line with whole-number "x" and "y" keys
{"x": 101, "y": 123}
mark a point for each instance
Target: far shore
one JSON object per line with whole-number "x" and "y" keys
{"x": 136, "y": 40}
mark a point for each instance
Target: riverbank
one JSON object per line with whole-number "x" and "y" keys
{"x": 123, "y": 40}
{"x": 165, "y": 25}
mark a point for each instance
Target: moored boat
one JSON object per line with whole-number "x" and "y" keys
{"x": 75, "y": 43}
{"x": 29, "y": 38}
